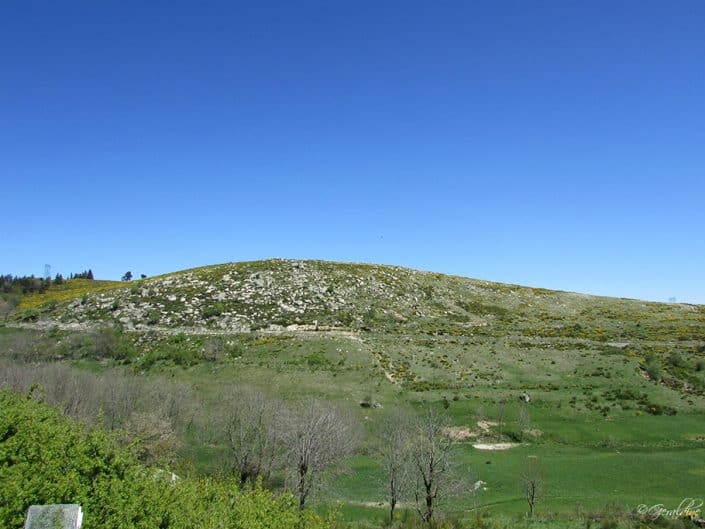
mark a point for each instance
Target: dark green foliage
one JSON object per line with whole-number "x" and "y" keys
{"x": 316, "y": 360}
{"x": 152, "y": 317}
{"x": 476, "y": 307}
{"x": 22, "y": 285}
{"x": 676, "y": 360}
{"x": 214, "y": 310}
{"x": 653, "y": 369}
{"x": 109, "y": 342}
{"x": 86, "y": 274}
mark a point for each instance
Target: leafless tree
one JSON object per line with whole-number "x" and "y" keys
{"x": 104, "y": 341}
{"x": 480, "y": 415}
{"x": 250, "y": 429}
{"x": 72, "y": 390}
{"x": 500, "y": 417}
{"x": 12, "y": 377}
{"x": 394, "y": 449}
{"x": 5, "y": 309}
{"x": 23, "y": 346}
{"x": 317, "y": 437}
{"x": 121, "y": 395}
{"x": 432, "y": 460}
{"x": 173, "y": 399}
{"x": 523, "y": 419}
{"x": 531, "y": 481}
{"x": 112, "y": 397}
{"x": 152, "y": 436}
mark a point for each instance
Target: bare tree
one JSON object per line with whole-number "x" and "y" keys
{"x": 74, "y": 391}
{"x": 531, "y": 481}
{"x": 24, "y": 346}
{"x": 121, "y": 395}
{"x": 5, "y": 309}
{"x": 523, "y": 420}
{"x": 480, "y": 415}
{"x": 152, "y": 436}
{"x": 394, "y": 450}
{"x": 250, "y": 433}
{"x": 317, "y": 437}
{"x": 174, "y": 400}
{"x": 500, "y": 418}
{"x": 432, "y": 462}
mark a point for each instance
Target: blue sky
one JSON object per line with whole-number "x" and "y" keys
{"x": 551, "y": 143}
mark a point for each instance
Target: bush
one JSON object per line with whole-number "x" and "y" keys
{"x": 654, "y": 371}
{"x": 153, "y": 316}
{"x": 212, "y": 311}
{"x": 676, "y": 360}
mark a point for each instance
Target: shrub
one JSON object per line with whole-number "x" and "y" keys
{"x": 153, "y": 316}
{"x": 212, "y": 311}
{"x": 676, "y": 360}
{"x": 654, "y": 371}
{"x": 609, "y": 523}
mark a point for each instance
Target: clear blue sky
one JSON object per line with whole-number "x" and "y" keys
{"x": 551, "y": 143}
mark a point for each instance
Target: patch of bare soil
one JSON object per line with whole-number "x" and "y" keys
{"x": 459, "y": 433}
{"x": 494, "y": 446}
{"x": 486, "y": 426}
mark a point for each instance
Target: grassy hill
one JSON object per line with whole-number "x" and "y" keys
{"x": 616, "y": 386}
{"x": 281, "y": 294}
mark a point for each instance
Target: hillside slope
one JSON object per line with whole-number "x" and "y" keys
{"x": 291, "y": 294}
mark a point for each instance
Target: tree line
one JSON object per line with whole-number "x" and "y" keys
{"x": 29, "y": 284}
{"x": 12, "y": 288}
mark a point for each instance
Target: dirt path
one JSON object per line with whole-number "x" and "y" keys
{"x": 195, "y": 331}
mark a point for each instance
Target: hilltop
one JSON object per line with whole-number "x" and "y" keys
{"x": 279, "y": 295}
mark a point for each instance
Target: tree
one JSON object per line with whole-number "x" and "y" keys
{"x": 395, "y": 454}
{"x": 127, "y": 276}
{"x": 90, "y": 274}
{"x": 432, "y": 461}
{"x": 531, "y": 481}
{"x": 523, "y": 420}
{"x": 317, "y": 437}
{"x": 249, "y": 426}
{"x": 152, "y": 437}
{"x": 5, "y": 308}
{"x": 500, "y": 418}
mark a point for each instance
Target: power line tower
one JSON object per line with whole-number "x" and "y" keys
{"x": 47, "y": 272}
